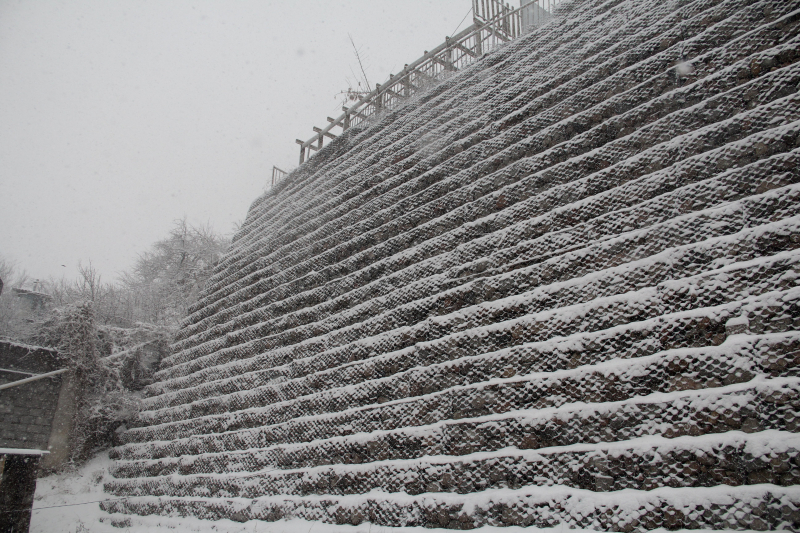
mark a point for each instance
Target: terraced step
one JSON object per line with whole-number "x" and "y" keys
{"x": 712, "y": 41}
{"x": 773, "y": 205}
{"x": 733, "y": 458}
{"x": 592, "y": 206}
{"x": 291, "y": 381}
{"x": 424, "y": 381}
{"x": 749, "y": 507}
{"x": 774, "y": 312}
{"x": 776, "y": 237}
{"x": 558, "y": 287}
{"x": 428, "y": 409}
{"x": 432, "y": 124}
{"x": 783, "y": 107}
{"x": 546, "y": 77}
{"x": 676, "y": 392}
{"x": 768, "y": 141}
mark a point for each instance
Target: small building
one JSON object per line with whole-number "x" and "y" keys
{"x": 36, "y": 300}
{"x": 36, "y": 414}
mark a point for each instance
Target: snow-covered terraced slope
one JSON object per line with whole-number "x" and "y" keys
{"x": 559, "y": 287}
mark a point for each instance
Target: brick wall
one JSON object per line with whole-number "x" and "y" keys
{"x": 26, "y": 411}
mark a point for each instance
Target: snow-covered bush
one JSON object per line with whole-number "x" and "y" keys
{"x": 103, "y": 404}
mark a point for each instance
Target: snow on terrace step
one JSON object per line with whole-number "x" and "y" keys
{"x": 777, "y": 309}
{"x": 472, "y": 179}
{"x": 606, "y": 69}
{"x": 759, "y": 405}
{"x": 392, "y": 203}
{"x": 532, "y": 274}
{"x": 462, "y": 260}
{"x": 599, "y": 204}
{"x": 731, "y": 458}
{"x": 695, "y": 225}
{"x": 529, "y": 391}
{"x": 731, "y": 399}
{"x": 790, "y": 78}
{"x": 776, "y": 203}
{"x": 301, "y": 380}
{"x": 756, "y": 507}
{"x": 447, "y": 109}
{"x": 597, "y": 280}
{"x": 774, "y": 312}
{"x": 576, "y": 264}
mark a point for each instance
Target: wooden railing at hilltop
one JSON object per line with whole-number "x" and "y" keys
{"x": 277, "y": 175}
{"x": 494, "y": 23}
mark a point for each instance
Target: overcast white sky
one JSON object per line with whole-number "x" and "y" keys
{"x": 119, "y": 116}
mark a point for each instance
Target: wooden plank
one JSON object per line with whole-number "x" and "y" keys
{"x": 442, "y": 62}
{"x": 325, "y": 133}
{"x": 424, "y": 75}
{"x": 393, "y": 93}
{"x": 358, "y": 114}
{"x": 465, "y": 49}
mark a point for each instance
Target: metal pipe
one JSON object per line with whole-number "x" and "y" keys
{"x": 22, "y": 451}
{"x": 17, "y": 371}
{"x": 34, "y": 378}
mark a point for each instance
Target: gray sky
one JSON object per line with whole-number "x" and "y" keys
{"x": 120, "y": 116}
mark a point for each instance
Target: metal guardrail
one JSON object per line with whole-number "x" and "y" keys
{"x": 494, "y": 23}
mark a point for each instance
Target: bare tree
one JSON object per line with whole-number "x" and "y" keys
{"x": 111, "y": 302}
{"x": 165, "y": 280}
{"x": 169, "y": 277}
{"x": 358, "y": 86}
{"x": 89, "y": 282}
{"x": 102, "y": 401}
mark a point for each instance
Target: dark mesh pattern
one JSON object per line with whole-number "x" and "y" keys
{"x": 560, "y": 287}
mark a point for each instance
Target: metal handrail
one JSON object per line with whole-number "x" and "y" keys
{"x": 34, "y": 378}
{"x": 22, "y": 451}
{"x": 504, "y": 24}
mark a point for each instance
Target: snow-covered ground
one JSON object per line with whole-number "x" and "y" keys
{"x": 68, "y": 503}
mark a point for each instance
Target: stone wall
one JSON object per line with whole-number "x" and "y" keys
{"x": 559, "y": 287}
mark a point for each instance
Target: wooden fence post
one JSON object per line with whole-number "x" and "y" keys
{"x": 346, "y": 125}
{"x": 448, "y": 55}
